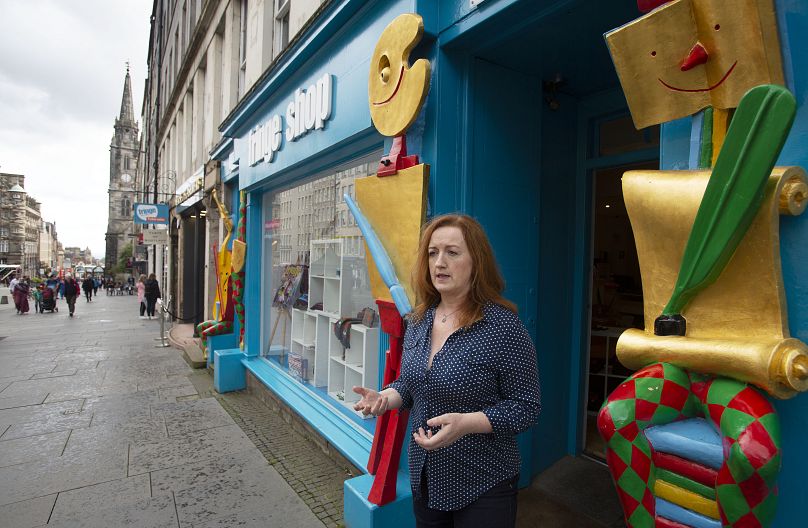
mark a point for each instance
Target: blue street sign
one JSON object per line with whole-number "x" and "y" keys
{"x": 151, "y": 213}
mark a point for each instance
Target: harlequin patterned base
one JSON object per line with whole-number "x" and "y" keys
{"x": 206, "y": 329}
{"x": 744, "y": 484}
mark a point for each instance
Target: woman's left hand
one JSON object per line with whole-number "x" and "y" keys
{"x": 452, "y": 426}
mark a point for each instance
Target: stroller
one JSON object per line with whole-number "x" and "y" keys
{"x": 48, "y": 301}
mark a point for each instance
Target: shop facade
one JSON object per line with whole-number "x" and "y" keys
{"x": 527, "y": 129}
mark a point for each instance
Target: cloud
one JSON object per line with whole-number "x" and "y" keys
{"x": 61, "y": 80}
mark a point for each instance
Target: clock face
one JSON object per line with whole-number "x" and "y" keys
{"x": 126, "y": 178}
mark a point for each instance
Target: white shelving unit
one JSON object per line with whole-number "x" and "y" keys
{"x": 331, "y": 366}
{"x": 357, "y": 365}
{"x": 325, "y": 280}
{"x": 304, "y": 325}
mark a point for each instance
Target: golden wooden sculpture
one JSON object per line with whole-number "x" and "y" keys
{"x": 396, "y": 91}
{"x": 690, "y": 54}
{"x": 738, "y": 326}
{"x": 396, "y": 208}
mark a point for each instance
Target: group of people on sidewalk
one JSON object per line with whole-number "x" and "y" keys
{"x": 45, "y": 293}
{"x": 148, "y": 291}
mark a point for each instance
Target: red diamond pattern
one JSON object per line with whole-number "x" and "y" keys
{"x": 757, "y": 445}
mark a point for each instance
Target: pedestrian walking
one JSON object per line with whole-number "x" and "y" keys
{"x": 152, "y": 293}
{"x": 96, "y": 284}
{"x": 20, "y": 293}
{"x": 71, "y": 290}
{"x": 87, "y": 286}
{"x": 37, "y": 295}
{"x": 141, "y": 295}
{"x": 11, "y": 287}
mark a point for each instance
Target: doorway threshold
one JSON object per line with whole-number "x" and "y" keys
{"x": 575, "y": 491}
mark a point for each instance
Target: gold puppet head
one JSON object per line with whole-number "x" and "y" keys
{"x": 690, "y": 54}
{"x": 396, "y": 91}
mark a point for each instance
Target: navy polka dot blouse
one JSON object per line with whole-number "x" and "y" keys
{"x": 488, "y": 367}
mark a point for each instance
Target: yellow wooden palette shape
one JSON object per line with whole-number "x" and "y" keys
{"x": 397, "y": 91}
{"x": 396, "y": 208}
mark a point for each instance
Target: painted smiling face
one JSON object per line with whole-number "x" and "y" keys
{"x": 690, "y": 54}
{"x": 396, "y": 91}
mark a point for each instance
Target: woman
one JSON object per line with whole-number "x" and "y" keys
{"x": 71, "y": 290}
{"x": 87, "y": 286}
{"x": 152, "y": 292}
{"x": 21, "y": 292}
{"x": 469, "y": 375}
{"x": 141, "y": 292}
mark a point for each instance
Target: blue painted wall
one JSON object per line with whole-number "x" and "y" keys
{"x": 346, "y": 57}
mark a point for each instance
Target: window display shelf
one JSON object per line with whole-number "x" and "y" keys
{"x": 325, "y": 282}
{"x": 330, "y": 365}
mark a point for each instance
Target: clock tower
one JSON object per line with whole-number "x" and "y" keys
{"x": 124, "y": 155}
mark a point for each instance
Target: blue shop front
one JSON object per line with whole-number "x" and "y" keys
{"x": 525, "y": 127}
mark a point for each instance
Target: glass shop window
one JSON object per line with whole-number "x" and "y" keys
{"x": 322, "y": 327}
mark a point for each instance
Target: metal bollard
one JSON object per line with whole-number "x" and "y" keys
{"x": 163, "y": 310}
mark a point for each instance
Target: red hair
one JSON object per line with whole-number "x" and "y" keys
{"x": 486, "y": 281}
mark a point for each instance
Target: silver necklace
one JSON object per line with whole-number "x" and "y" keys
{"x": 445, "y": 315}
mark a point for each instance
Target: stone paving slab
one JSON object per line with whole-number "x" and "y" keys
{"x": 189, "y": 416}
{"x": 73, "y": 421}
{"x": 179, "y": 478}
{"x": 29, "y": 513}
{"x": 55, "y": 474}
{"x": 22, "y": 400}
{"x": 186, "y": 449}
{"x": 96, "y": 497}
{"x": 157, "y": 512}
{"x": 33, "y": 413}
{"x": 32, "y": 448}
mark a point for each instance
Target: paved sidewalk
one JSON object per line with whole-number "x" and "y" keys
{"x": 101, "y": 429}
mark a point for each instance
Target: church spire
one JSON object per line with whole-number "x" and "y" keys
{"x": 127, "y": 116}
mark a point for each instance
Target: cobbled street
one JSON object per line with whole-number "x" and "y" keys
{"x": 102, "y": 429}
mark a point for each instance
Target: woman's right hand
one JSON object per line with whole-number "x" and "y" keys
{"x": 371, "y": 402}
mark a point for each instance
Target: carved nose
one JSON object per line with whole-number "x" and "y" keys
{"x": 696, "y": 57}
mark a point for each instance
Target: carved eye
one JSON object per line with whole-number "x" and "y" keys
{"x": 717, "y": 27}
{"x": 384, "y": 68}
{"x": 653, "y": 53}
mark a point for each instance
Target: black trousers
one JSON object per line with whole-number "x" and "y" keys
{"x": 150, "y": 304}
{"x": 496, "y": 508}
{"x": 142, "y": 308}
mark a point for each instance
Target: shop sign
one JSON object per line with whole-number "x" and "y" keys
{"x": 191, "y": 188}
{"x": 155, "y": 237}
{"x": 308, "y": 110}
{"x": 146, "y": 213}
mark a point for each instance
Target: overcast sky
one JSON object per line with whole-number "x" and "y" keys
{"x": 62, "y": 69}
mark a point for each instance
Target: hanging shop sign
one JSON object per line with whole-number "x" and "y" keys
{"x": 146, "y": 213}
{"x": 155, "y": 237}
{"x": 190, "y": 191}
{"x": 308, "y": 110}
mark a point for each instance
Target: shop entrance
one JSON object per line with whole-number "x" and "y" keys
{"x": 616, "y": 292}
{"x": 192, "y": 281}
